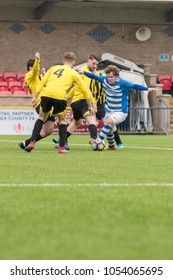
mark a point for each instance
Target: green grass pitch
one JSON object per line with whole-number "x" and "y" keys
{"x": 87, "y": 205}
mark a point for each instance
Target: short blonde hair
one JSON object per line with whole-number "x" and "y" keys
{"x": 69, "y": 56}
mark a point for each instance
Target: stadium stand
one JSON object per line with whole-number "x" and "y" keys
{"x": 21, "y": 77}
{"x": 10, "y": 76}
{"x": 19, "y": 92}
{"x": 14, "y": 86}
{"x": 4, "y": 86}
{"x": 24, "y": 87}
{"x": 165, "y": 80}
{"x": 5, "y": 92}
{"x": 1, "y": 77}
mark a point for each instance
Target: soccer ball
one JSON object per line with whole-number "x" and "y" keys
{"x": 98, "y": 145}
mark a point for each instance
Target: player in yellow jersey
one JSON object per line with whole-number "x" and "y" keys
{"x": 79, "y": 105}
{"x": 53, "y": 87}
{"x": 42, "y": 72}
{"x": 32, "y": 79}
{"x": 78, "y": 108}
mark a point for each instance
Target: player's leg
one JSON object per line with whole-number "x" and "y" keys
{"x": 92, "y": 126}
{"x": 69, "y": 117}
{"x": 111, "y": 142}
{"x": 106, "y": 128}
{"x": 116, "y": 118}
{"x": 45, "y": 108}
{"x": 36, "y": 130}
{"x": 110, "y": 136}
{"x": 101, "y": 116}
{"x": 60, "y": 110}
{"x": 118, "y": 140}
{"x": 62, "y": 132}
{"x": 73, "y": 125}
{"x": 80, "y": 110}
{"x": 26, "y": 142}
{"x": 46, "y": 130}
{"x": 91, "y": 120}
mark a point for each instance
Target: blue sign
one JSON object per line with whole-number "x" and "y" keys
{"x": 164, "y": 57}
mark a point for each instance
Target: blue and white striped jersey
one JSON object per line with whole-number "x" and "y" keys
{"x": 117, "y": 93}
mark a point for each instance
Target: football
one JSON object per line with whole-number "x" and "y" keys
{"x": 98, "y": 145}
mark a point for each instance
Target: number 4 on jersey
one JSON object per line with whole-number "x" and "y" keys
{"x": 59, "y": 72}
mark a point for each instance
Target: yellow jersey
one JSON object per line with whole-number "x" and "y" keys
{"x": 32, "y": 79}
{"x": 98, "y": 91}
{"x": 58, "y": 79}
{"x": 93, "y": 86}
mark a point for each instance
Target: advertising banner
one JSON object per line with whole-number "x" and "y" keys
{"x": 17, "y": 121}
{"x": 20, "y": 121}
{"x": 83, "y": 129}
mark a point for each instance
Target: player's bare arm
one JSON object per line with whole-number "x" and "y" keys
{"x": 34, "y": 99}
{"x": 152, "y": 89}
{"x": 90, "y": 107}
{"x": 95, "y": 108}
{"x": 80, "y": 71}
{"x": 69, "y": 100}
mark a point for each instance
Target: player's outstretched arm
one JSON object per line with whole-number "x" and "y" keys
{"x": 80, "y": 71}
{"x": 152, "y": 89}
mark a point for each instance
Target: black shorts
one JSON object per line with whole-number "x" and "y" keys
{"x": 58, "y": 105}
{"x": 50, "y": 118}
{"x": 79, "y": 108}
{"x": 100, "y": 111}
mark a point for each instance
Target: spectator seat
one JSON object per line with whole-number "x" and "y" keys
{"x": 4, "y": 86}
{"x": 25, "y": 88}
{"x": 19, "y": 92}
{"x": 10, "y": 76}
{"x": 5, "y": 92}
{"x": 21, "y": 77}
{"x": 15, "y": 85}
{"x": 165, "y": 80}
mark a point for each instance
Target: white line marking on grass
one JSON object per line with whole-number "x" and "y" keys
{"x": 88, "y": 185}
{"x": 75, "y": 144}
{"x": 149, "y": 148}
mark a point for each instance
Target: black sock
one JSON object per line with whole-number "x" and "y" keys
{"x": 39, "y": 138}
{"x": 68, "y": 135}
{"x": 62, "y": 134}
{"x": 93, "y": 131}
{"x": 27, "y": 141}
{"x": 117, "y": 137}
{"x": 37, "y": 128}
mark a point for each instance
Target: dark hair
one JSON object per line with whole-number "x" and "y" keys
{"x": 93, "y": 56}
{"x": 112, "y": 68}
{"x": 30, "y": 63}
{"x": 69, "y": 56}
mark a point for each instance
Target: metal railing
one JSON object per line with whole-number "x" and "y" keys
{"x": 139, "y": 121}
{"x": 147, "y": 120}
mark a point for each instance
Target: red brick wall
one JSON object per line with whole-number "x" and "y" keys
{"x": 17, "y": 48}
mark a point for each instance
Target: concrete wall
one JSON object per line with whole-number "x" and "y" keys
{"x": 103, "y": 12}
